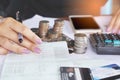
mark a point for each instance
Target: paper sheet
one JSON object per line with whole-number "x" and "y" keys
{"x": 37, "y": 66}
{"x": 45, "y": 66}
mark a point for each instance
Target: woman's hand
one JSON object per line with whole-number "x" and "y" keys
{"x": 114, "y": 26}
{"x": 9, "y": 29}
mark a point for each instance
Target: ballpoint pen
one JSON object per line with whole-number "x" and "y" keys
{"x": 20, "y": 36}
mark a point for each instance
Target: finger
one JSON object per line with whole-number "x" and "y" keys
{"x": 111, "y": 25}
{"x": 12, "y": 46}
{"x": 10, "y": 34}
{"x": 20, "y": 28}
{"x": 114, "y": 18}
{"x": 3, "y": 51}
{"x": 116, "y": 25}
{"x": 119, "y": 30}
{"x": 31, "y": 46}
{"x": 26, "y": 43}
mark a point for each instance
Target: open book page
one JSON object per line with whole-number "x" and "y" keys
{"x": 37, "y": 66}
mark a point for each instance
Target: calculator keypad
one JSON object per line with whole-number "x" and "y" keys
{"x": 105, "y": 43}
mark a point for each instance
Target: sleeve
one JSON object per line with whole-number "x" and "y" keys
{"x": 3, "y": 6}
{"x": 18, "y": 5}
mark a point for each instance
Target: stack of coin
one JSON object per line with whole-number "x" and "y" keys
{"x": 52, "y": 35}
{"x": 43, "y": 28}
{"x": 80, "y": 43}
{"x": 58, "y": 27}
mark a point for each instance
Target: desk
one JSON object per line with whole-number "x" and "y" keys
{"x": 89, "y": 59}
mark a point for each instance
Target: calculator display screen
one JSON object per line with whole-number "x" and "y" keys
{"x": 84, "y": 23}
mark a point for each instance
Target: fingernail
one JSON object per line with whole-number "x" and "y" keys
{"x": 39, "y": 41}
{"x": 25, "y": 51}
{"x": 119, "y": 32}
{"x": 108, "y": 29}
{"x": 114, "y": 31}
{"x": 37, "y": 50}
{"x": 10, "y": 51}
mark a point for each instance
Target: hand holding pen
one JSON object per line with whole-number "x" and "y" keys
{"x": 9, "y": 30}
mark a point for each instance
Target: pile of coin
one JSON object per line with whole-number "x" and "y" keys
{"x": 43, "y": 28}
{"x": 58, "y": 27}
{"x": 52, "y": 34}
{"x": 80, "y": 43}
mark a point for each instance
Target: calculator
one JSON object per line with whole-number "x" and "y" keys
{"x": 105, "y": 43}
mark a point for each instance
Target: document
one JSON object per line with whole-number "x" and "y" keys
{"x": 32, "y": 66}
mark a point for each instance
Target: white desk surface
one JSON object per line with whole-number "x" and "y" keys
{"x": 90, "y": 58}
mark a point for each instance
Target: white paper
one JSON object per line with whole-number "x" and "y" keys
{"x": 45, "y": 66}
{"x": 37, "y": 66}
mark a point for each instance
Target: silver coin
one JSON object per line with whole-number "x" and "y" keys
{"x": 80, "y": 44}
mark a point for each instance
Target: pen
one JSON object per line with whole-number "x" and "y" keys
{"x": 20, "y": 36}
